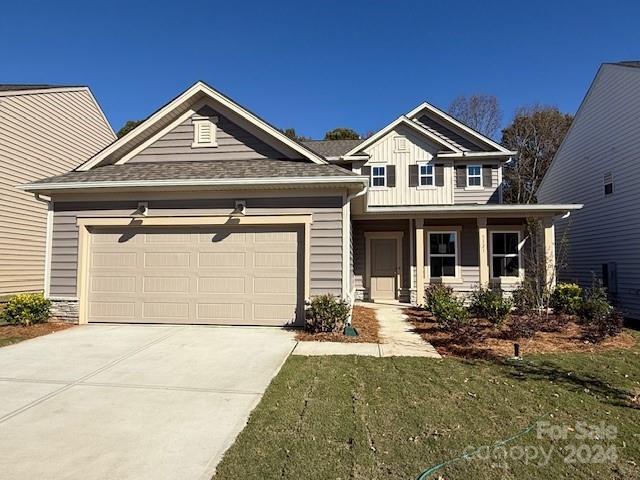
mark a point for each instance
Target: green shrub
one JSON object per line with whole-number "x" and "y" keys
{"x": 449, "y": 312}
{"x": 599, "y": 318}
{"x": 523, "y": 300}
{"x": 27, "y": 308}
{"x": 491, "y": 304}
{"x": 567, "y": 298}
{"x": 327, "y": 313}
{"x": 523, "y": 326}
{"x": 434, "y": 292}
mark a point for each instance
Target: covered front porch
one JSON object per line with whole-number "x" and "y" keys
{"x": 396, "y": 256}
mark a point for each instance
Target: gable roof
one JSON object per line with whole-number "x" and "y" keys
{"x": 181, "y": 106}
{"x": 403, "y": 120}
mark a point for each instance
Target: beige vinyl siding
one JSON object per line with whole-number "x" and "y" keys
{"x": 604, "y": 137}
{"x": 325, "y": 241}
{"x": 462, "y": 195}
{"x": 383, "y": 152}
{"x": 41, "y": 135}
{"x": 233, "y": 143}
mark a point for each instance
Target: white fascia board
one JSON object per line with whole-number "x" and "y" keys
{"x": 243, "y": 182}
{"x": 508, "y": 153}
{"x": 200, "y": 87}
{"x": 427, "y": 106}
{"x": 480, "y": 209}
{"x": 404, "y": 121}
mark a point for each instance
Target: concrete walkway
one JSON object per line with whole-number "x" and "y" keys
{"x": 396, "y": 336}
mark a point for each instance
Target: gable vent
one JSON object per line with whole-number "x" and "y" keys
{"x": 204, "y": 132}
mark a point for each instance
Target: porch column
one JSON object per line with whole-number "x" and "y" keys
{"x": 549, "y": 235}
{"x": 483, "y": 251}
{"x": 419, "y": 261}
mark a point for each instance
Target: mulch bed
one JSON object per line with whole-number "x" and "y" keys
{"x": 364, "y": 320}
{"x": 485, "y": 341}
{"x": 10, "y": 334}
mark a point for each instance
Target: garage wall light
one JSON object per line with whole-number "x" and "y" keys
{"x": 240, "y": 207}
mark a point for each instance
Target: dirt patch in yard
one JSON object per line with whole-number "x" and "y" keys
{"x": 363, "y": 319}
{"x": 483, "y": 340}
{"x": 10, "y": 334}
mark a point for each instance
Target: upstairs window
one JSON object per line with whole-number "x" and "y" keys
{"x": 474, "y": 176}
{"x": 608, "y": 183}
{"x": 425, "y": 175}
{"x": 505, "y": 254}
{"x": 204, "y": 132}
{"x": 443, "y": 248}
{"x": 379, "y": 176}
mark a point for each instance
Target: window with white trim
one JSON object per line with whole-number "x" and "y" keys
{"x": 505, "y": 254}
{"x": 204, "y": 132}
{"x": 474, "y": 175}
{"x": 425, "y": 175}
{"x": 443, "y": 252}
{"x": 379, "y": 176}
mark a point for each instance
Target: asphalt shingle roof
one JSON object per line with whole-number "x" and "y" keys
{"x": 227, "y": 169}
{"x": 332, "y": 148}
{"x": 16, "y": 87}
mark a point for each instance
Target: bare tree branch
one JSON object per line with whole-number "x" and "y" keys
{"x": 480, "y": 112}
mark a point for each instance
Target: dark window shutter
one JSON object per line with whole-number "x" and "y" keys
{"x": 487, "y": 177}
{"x": 439, "y": 174}
{"x": 413, "y": 175}
{"x": 366, "y": 171}
{"x": 391, "y": 175}
{"x": 461, "y": 176}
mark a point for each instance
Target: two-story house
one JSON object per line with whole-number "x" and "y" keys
{"x": 205, "y": 213}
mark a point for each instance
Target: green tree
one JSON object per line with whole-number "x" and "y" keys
{"x": 127, "y": 127}
{"x": 342, "y": 134}
{"x": 536, "y": 133}
{"x": 291, "y": 133}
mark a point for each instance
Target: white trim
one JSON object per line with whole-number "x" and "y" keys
{"x": 398, "y": 236}
{"x": 383, "y": 176}
{"x": 508, "y": 153}
{"x": 187, "y": 95}
{"x": 445, "y": 116}
{"x": 404, "y": 121}
{"x": 32, "y": 187}
{"x": 47, "y": 250}
{"x": 429, "y": 230}
{"x": 532, "y": 209}
{"x": 432, "y": 175}
{"x": 480, "y": 186}
{"x": 521, "y": 240}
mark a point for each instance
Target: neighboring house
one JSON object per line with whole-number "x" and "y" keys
{"x": 597, "y": 165}
{"x": 205, "y": 213}
{"x": 44, "y": 130}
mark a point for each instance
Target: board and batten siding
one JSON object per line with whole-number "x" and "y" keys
{"x": 41, "y": 135}
{"x": 383, "y": 152}
{"x": 233, "y": 143}
{"x": 604, "y": 138}
{"x": 325, "y": 241}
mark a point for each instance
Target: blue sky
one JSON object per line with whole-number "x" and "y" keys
{"x": 318, "y": 65}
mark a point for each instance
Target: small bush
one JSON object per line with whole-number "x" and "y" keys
{"x": 326, "y": 313}
{"x": 600, "y": 320}
{"x": 434, "y": 292}
{"x": 26, "y": 309}
{"x": 523, "y": 300}
{"x": 491, "y": 304}
{"x": 597, "y": 330}
{"x": 450, "y": 312}
{"x": 567, "y": 298}
{"x": 523, "y": 326}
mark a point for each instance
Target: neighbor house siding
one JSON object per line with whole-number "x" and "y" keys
{"x": 384, "y": 152}
{"x": 604, "y": 137}
{"x": 41, "y": 135}
{"x": 325, "y": 241}
{"x": 234, "y": 143}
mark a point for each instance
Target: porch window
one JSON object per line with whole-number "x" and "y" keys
{"x": 379, "y": 176}
{"x": 505, "y": 254}
{"x": 443, "y": 249}
{"x": 425, "y": 174}
{"x": 474, "y": 176}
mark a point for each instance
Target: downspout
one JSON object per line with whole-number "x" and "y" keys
{"x": 352, "y": 297}
{"x": 48, "y": 241}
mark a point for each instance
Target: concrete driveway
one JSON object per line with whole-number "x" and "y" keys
{"x": 131, "y": 402}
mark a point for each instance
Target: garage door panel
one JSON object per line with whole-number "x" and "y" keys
{"x": 179, "y": 275}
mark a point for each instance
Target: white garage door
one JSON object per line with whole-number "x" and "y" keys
{"x": 233, "y": 276}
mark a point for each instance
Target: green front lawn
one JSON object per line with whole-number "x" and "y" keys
{"x": 372, "y": 418}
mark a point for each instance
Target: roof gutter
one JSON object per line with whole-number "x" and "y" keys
{"x": 532, "y": 209}
{"x": 209, "y": 182}
{"x": 509, "y": 153}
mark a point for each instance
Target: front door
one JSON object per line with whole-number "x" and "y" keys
{"x": 384, "y": 268}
